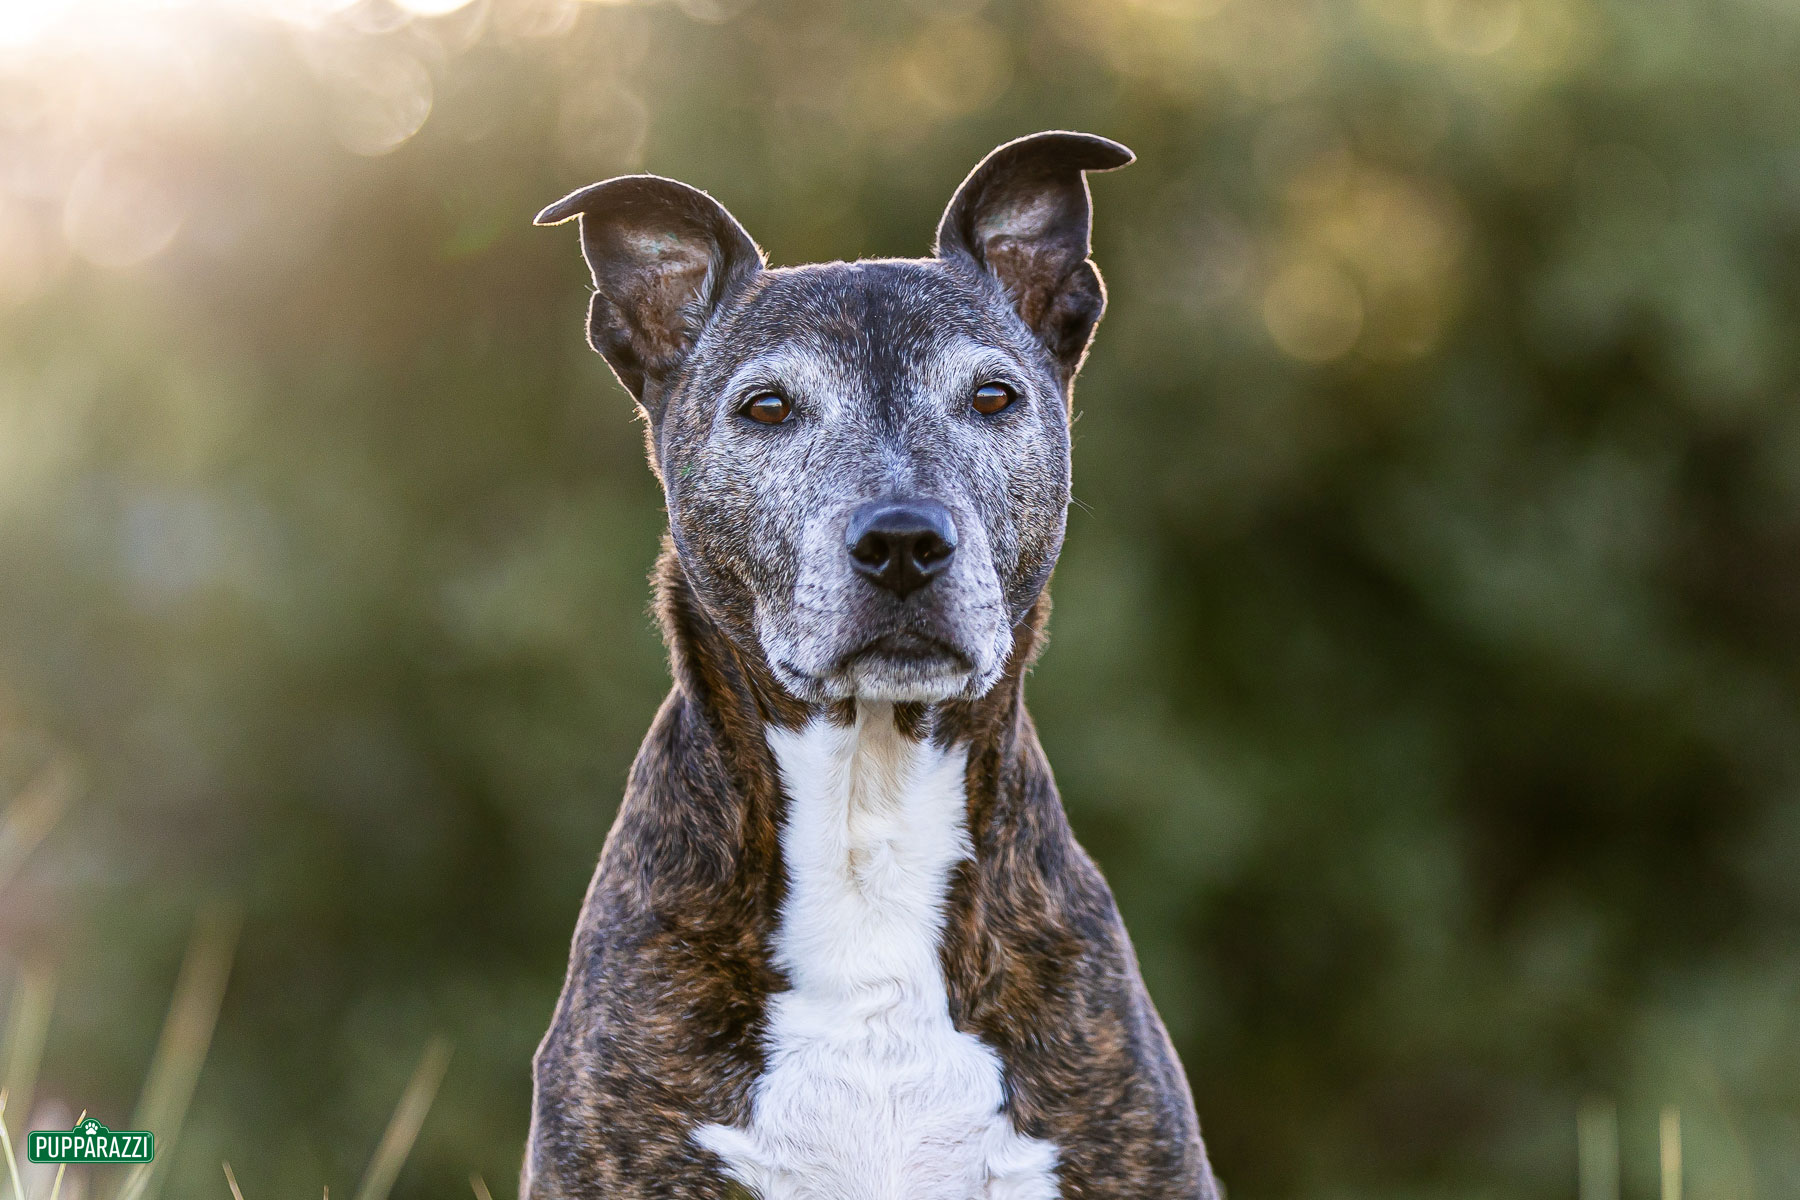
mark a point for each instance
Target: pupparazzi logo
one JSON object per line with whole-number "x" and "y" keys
{"x": 90, "y": 1142}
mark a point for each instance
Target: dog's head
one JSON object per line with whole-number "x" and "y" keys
{"x": 866, "y": 464}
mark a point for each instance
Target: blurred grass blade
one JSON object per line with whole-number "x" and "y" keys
{"x": 1669, "y": 1137}
{"x": 27, "y": 1024}
{"x": 56, "y": 1184}
{"x": 32, "y": 814}
{"x": 479, "y": 1186}
{"x": 1597, "y": 1150}
{"x": 231, "y": 1179}
{"x": 403, "y": 1127}
{"x": 186, "y": 1037}
{"x": 12, "y": 1164}
{"x": 137, "y": 1181}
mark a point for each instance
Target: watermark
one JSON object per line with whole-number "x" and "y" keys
{"x": 90, "y": 1142}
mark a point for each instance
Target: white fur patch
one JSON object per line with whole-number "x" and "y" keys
{"x": 870, "y": 1093}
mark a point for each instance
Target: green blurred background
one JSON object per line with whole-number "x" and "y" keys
{"x": 1425, "y": 670}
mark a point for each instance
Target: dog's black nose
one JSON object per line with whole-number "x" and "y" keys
{"x": 901, "y": 545}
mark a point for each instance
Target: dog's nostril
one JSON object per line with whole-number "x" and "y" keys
{"x": 901, "y": 545}
{"x": 931, "y": 548}
{"x": 872, "y": 549}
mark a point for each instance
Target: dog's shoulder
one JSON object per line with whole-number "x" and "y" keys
{"x": 1040, "y": 966}
{"x": 654, "y": 1031}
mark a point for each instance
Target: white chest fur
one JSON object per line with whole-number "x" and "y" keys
{"x": 870, "y": 1093}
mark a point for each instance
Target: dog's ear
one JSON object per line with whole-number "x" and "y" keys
{"x": 1024, "y": 216}
{"x": 664, "y": 256}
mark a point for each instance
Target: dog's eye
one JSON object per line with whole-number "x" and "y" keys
{"x": 768, "y": 408}
{"x": 990, "y": 398}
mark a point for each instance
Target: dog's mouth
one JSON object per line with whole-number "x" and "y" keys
{"x": 895, "y": 666}
{"x": 908, "y": 650}
{"x": 903, "y": 667}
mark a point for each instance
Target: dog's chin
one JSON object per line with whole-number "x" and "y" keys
{"x": 894, "y": 668}
{"x": 901, "y": 668}
{"x": 899, "y": 683}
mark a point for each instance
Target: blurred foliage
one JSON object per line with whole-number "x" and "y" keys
{"x": 1425, "y": 671}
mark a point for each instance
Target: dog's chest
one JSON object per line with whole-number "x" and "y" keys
{"x": 870, "y": 1093}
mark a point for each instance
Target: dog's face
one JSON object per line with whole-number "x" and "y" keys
{"x": 866, "y": 464}
{"x": 874, "y": 371}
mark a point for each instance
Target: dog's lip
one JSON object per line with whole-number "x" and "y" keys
{"x": 905, "y": 646}
{"x": 905, "y": 651}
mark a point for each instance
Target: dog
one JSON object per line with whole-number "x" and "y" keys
{"x": 841, "y": 943}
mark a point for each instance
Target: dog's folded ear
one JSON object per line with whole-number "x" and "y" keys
{"x": 1024, "y": 216}
{"x": 664, "y": 257}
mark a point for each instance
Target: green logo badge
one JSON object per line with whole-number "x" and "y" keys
{"x": 90, "y": 1142}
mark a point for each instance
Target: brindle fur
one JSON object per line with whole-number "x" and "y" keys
{"x": 658, "y": 1028}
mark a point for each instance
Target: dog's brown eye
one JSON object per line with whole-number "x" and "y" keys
{"x": 768, "y": 408}
{"x": 990, "y": 398}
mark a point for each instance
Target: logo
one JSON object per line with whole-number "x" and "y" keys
{"x": 90, "y": 1142}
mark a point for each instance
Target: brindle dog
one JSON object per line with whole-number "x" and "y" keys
{"x": 842, "y": 944}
